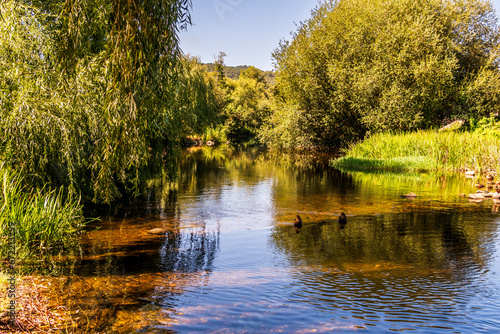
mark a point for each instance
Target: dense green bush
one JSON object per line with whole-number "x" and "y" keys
{"x": 359, "y": 66}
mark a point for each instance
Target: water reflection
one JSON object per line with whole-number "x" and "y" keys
{"x": 453, "y": 242}
{"x": 231, "y": 258}
{"x": 394, "y": 271}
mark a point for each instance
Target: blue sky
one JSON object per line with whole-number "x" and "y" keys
{"x": 246, "y": 30}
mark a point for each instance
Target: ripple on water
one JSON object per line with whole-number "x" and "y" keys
{"x": 419, "y": 303}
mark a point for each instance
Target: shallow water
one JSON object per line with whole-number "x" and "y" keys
{"x": 231, "y": 261}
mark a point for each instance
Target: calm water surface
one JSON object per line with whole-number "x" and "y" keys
{"x": 231, "y": 260}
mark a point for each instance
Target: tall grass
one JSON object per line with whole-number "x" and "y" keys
{"x": 216, "y": 134}
{"x": 44, "y": 222}
{"x": 424, "y": 150}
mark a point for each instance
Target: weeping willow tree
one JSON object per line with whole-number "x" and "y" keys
{"x": 92, "y": 91}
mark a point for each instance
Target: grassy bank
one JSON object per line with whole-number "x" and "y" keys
{"x": 424, "y": 151}
{"x": 43, "y": 221}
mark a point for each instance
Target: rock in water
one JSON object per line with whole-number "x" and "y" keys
{"x": 157, "y": 231}
{"x": 477, "y": 196}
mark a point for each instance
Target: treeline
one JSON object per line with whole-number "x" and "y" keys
{"x": 233, "y": 72}
{"x": 361, "y": 67}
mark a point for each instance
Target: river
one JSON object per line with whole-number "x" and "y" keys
{"x": 231, "y": 261}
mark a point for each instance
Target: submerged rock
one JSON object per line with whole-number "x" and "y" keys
{"x": 476, "y": 196}
{"x": 157, "y": 231}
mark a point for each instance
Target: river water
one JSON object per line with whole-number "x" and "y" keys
{"x": 231, "y": 261}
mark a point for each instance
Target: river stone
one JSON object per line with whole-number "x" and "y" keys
{"x": 476, "y": 196}
{"x": 157, "y": 231}
{"x": 410, "y": 195}
{"x": 495, "y": 195}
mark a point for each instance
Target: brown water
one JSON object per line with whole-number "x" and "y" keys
{"x": 231, "y": 260}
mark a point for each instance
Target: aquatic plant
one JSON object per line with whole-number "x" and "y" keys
{"x": 44, "y": 221}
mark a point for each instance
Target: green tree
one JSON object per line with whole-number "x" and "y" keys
{"x": 362, "y": 65}
{"x": 91, "y": 90}
{"x": 253, "y": 73}
{"x": 248, "y": 107}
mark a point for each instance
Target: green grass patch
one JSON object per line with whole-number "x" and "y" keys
{"x": 416, "y": 164}
{"x": 424, "y": 150}
{"x": 45, "y": 221}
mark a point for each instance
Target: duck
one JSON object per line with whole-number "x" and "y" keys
{"x": 297, "y": 222}
{"x": 342, "y": 220}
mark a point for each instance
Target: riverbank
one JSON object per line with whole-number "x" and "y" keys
{"x": 425, "y": 150}
{"x": 36, "y": 223}
{"x": 34, "y": 311}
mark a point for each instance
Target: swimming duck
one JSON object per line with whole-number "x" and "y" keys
{"x": 297, "y": 222}
{"x": 342, "y": 220}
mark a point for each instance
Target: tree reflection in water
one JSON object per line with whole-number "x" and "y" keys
{"x": 437, "y": 240}
{"x": 125, "y": 274}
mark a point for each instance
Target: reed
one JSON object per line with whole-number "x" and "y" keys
{"x": 44, "y": 221}
{"x": 216, "y": 134}
{"x": 424, "y": 150}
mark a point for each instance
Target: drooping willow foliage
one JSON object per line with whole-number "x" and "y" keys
{"x": 91, "y": 91}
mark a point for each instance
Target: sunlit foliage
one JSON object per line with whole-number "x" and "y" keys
{"x": 244, "y": 103}
{"x": 35, "y": 222}
{"x": 93, "y": 90}
{"x": 359, "y": 66}
{"x": 427, "y": 150}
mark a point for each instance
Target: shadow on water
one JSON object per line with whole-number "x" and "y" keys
{"x": 231, "y": 258}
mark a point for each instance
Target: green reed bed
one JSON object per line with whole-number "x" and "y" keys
{"x": 44, "y": 221}
{"x": 424, "y": 151}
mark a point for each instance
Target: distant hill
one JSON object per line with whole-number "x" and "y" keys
{"x": 233, "y": 72}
